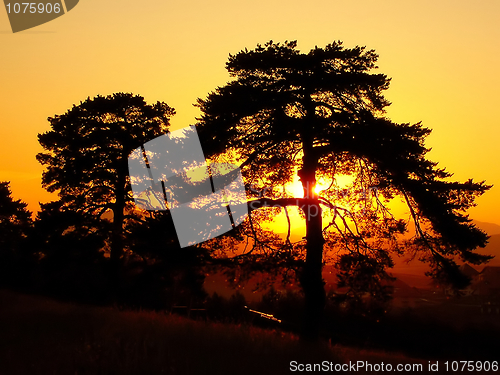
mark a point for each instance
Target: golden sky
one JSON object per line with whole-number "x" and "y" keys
{"x": 443, "y": 57}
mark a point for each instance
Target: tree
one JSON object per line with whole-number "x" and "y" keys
{"x": 164, "y": 275}
{"x": 321, "y": 115}
{"x": 87, "y": 151}
{"x": 15, "y": 227}
{"x": 70, "y": 246}
{"x": 15, "y": 219}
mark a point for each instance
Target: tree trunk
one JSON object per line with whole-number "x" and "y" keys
{"x": 116, "y": 246}
{"x": 116, "y": 235}
{"x": 119, "y": 212}
{"x": 311, "y": 277}
{"x": 118, "y": 219}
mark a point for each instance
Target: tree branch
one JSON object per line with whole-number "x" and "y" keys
{"x": 281, "y": 203}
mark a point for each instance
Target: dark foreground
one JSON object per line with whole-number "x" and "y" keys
{"x": 43, "y": 336}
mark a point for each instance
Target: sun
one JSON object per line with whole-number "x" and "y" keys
{"x": 296, "y": 190}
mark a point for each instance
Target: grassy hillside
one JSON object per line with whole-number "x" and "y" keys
{"x": 43, "y": 336}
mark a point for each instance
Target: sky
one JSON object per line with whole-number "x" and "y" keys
{"x": 443, "y": 58}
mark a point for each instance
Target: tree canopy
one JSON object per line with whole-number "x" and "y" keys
{"x": 87, "y": 150}
{"x": 15, "y": 219}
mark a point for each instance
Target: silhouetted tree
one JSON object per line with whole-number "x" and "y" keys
{"x": 87, "y": 152}
{"x": 87, "y": 164}
{"x": 321, "y": 115}
{"x": 59, "y": 229}
{"x": 71, "y": 247}
{"x": 161, "y": 267}
{"x": 15, "y": 227}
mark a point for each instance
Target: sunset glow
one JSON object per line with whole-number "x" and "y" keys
{"x": 436, "y": 54}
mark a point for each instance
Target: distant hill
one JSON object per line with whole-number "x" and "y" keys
{"x": 493, "y": 248}
{"x": 489, "y": 228}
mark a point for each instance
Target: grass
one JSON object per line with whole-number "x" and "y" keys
{"x": 42, "y": 336}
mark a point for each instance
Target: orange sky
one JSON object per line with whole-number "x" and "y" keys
{"x": 443, "y": 58}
